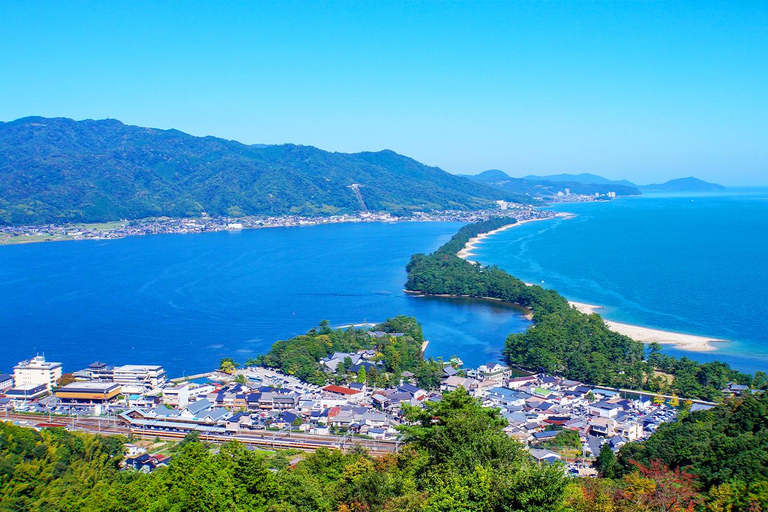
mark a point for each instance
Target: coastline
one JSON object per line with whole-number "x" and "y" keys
{"x": 681, "y": 341}
{"x": 473, "y": 242}
{"x": 113, "y": 230}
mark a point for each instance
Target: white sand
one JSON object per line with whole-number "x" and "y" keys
{"x": 648, "y": 335}
{"x": 636, "y": 332}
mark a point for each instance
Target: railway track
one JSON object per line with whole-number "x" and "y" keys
{"x": 266, "y": 439}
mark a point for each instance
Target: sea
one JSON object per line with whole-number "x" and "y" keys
{"x": 694, "y": 263}
{"x": 687, "y": 263}
{"x": 185, "y": 301}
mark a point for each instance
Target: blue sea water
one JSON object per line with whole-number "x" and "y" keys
{"x": 185, "y": 301}
{"x": 692, "y": 263}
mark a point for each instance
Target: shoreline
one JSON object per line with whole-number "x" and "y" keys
{"x": 473, "y": 242}
{"x": 115, "y": 230}
{"x": 681, "y": 341}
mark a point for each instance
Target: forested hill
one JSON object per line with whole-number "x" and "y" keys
{"x": 60, "y": 170}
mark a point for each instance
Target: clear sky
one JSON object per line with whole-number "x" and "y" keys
{"x": 640, "y": 90}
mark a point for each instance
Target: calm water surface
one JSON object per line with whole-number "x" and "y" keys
{"x": 185, "y": 301}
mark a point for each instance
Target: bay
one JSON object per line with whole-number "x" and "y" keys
{"x": 187, "y": 300}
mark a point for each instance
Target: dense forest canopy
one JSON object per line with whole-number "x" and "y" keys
{"x": 60, "y": 170}
{"x": 301, "y": 355}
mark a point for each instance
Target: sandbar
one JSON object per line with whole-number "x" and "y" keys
{"x": 647, "y": 335}
{"x": 679, "y": 340}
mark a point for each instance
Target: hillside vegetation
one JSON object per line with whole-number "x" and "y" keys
{"x": 60, "y": 170}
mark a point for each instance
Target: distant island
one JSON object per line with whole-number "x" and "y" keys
{"x": 689, "y": 184}
{"x": 64, "y": 171}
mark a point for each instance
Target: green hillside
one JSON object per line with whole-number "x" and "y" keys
{"x": 60, "y": 170}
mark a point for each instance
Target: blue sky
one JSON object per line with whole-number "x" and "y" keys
{"x": 640, "y": 90}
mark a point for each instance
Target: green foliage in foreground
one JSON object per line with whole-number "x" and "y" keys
{"x": 724, "y": 444}
{"x": 564, "y": 341}
{"x": 462, "y": 461}
{"x": 300, "y": 356}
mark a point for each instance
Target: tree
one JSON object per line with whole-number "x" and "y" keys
{"x": 325, "y": 327}
{"x": 228, "y": 365}
{"x": 606, "y": 462}
{"x": 361, "y": 375}
{"x": 459, "y": 431}
{"x": 674, "y": 401}
{"x": 759, "y": 380}
{"x": 590, "y": 396}
{"x": 658, "y": 400}
{"x": 65, "y": 379}
{"x": 372, "y": 376}
{"x": 241, "y": 379}
{"x": 661, "y": 488}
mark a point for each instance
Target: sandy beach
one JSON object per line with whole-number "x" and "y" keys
{"x": 643, "y": 334}
{"x": 648, "y": 335}
{"x": 473, "y": 242}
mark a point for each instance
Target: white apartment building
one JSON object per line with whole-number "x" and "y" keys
{"x": 138, "y": 378}
{"x": 37, "y": 371}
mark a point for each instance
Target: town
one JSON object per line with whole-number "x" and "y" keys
{"x": 555, "y": 418}
{"x": 205, "y": 223}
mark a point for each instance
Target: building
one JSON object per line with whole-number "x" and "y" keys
{"x": 493, "y": 371}
{"x": 25, "y": 392}
{"x": 88, "y": 392}
{"x": 96, "y": 372}
{"x": 177, "y": 395}
{"x": 6, "y": 382}
{"x": 37, "y": 371}
{"x": 137, "y": 378}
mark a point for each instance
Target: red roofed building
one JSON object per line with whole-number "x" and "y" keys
{"x": 340, "y": 390}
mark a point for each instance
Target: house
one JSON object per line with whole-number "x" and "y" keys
{"x": 547, "y": 456}
{"x": 342, "y": 391}
{"x": 493, "y": 371}
{"x": 132, "y": 450}
{"x": 545, "y": 434}
{"x": 519, "y": 382}
{"x": 449, "y": 371}
{"x": 415, "y": 391}
{"x": 601, "y": 427}
{"x": 332, "y": 362}
{"x": 146, "y": 463}
{"x": 455, "y": 382}
{"x": 605, "y": 409}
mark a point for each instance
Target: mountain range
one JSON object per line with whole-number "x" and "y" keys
{"x": 588, "y": 184}
{"x": 542, "y": 186}
{"x": 57, "y": 170}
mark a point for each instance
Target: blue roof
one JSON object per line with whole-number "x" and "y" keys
{"x": 408, "y": 388}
